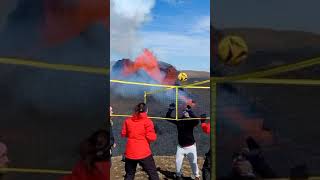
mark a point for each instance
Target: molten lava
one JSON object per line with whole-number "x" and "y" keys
{"x": 147, "y": 62}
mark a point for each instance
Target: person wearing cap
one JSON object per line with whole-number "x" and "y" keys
{"x": 4, "y": 160}
{"x": 186, "y": 141}
{"x": 139, "y": 131}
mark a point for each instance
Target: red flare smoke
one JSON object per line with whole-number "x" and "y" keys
{"x": 187, "y": 100}
{"x": 250, "y": 126}
{"x": 147, "y": 62}
{"x": 66, "y": 19}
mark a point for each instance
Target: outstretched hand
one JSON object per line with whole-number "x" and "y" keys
{"x": 172, "y": 106}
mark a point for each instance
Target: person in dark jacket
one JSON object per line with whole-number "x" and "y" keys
{"x": 139, "y": 130}
{"x": 186, "y": 141}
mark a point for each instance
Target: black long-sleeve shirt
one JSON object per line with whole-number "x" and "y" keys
{"x": 185, "y": 129}
{"x": 111, "y": 137}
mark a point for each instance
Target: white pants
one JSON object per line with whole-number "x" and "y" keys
{"x": 191, "y": 153}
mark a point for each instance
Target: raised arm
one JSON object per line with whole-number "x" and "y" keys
{"x": 169, "y": 113}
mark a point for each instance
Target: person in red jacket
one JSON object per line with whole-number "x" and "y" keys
{"x": 95, "y": 159}
{"x": 139, "y": 130}
{"x": 206, "y": 169}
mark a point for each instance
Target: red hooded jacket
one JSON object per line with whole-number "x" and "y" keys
{"x": 139, "y": 130}
{"x": 80, "y": 172}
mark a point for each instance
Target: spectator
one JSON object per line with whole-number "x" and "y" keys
{"x": 255, "y": 156}
{"x": 95, "y": 159}
{"x": 112, "y": 143}
{"x": 241, "y": 167}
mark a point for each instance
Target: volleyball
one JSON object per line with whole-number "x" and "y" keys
{"x": 232, "y": 50}
{"x": 182, "y": 76}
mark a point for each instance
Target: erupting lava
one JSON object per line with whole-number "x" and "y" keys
{"x": 146, "y": 61}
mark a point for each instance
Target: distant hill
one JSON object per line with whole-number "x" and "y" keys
{"x": 269, "y": 48}
{"x": 197, "y": 74}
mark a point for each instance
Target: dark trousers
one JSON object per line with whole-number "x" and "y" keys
{"x": 206, "y": 169}
{"x": 147, "y": 164}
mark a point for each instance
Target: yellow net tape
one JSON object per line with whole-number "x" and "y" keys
{"x": 37, "y": 171}
{"x": 245, "y": 78}
{"x": 104, "y": 71}
{"x": 61, "y": 67}
{"x": 269, "y": 72}
{"x": 280, "y": 81}
{"x": 160, "y": 118}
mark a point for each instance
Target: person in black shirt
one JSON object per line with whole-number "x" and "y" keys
{"x": 186, "y": 142}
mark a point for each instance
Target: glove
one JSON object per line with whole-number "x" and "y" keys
{"x": 172, "y": 106}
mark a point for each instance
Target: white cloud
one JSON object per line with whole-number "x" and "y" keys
{"x": 127, "y": 16}
{"x": 202, "y": 25}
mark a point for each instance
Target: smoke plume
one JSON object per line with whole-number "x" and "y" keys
{"x": 126, "y": 17}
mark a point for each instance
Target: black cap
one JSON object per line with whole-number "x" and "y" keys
{"x": 203, "y": 115}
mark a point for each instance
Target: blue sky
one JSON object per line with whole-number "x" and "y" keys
{"x": 296, "y": 15}
{"x": 177, "y": 31}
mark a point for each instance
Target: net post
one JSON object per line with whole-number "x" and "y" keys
{"x": 177, "y": 102}
{"x": 145, "y": 97}
{"x": 213, "y": 138}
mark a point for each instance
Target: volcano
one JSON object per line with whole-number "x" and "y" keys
{"x": 146, "y": 68}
